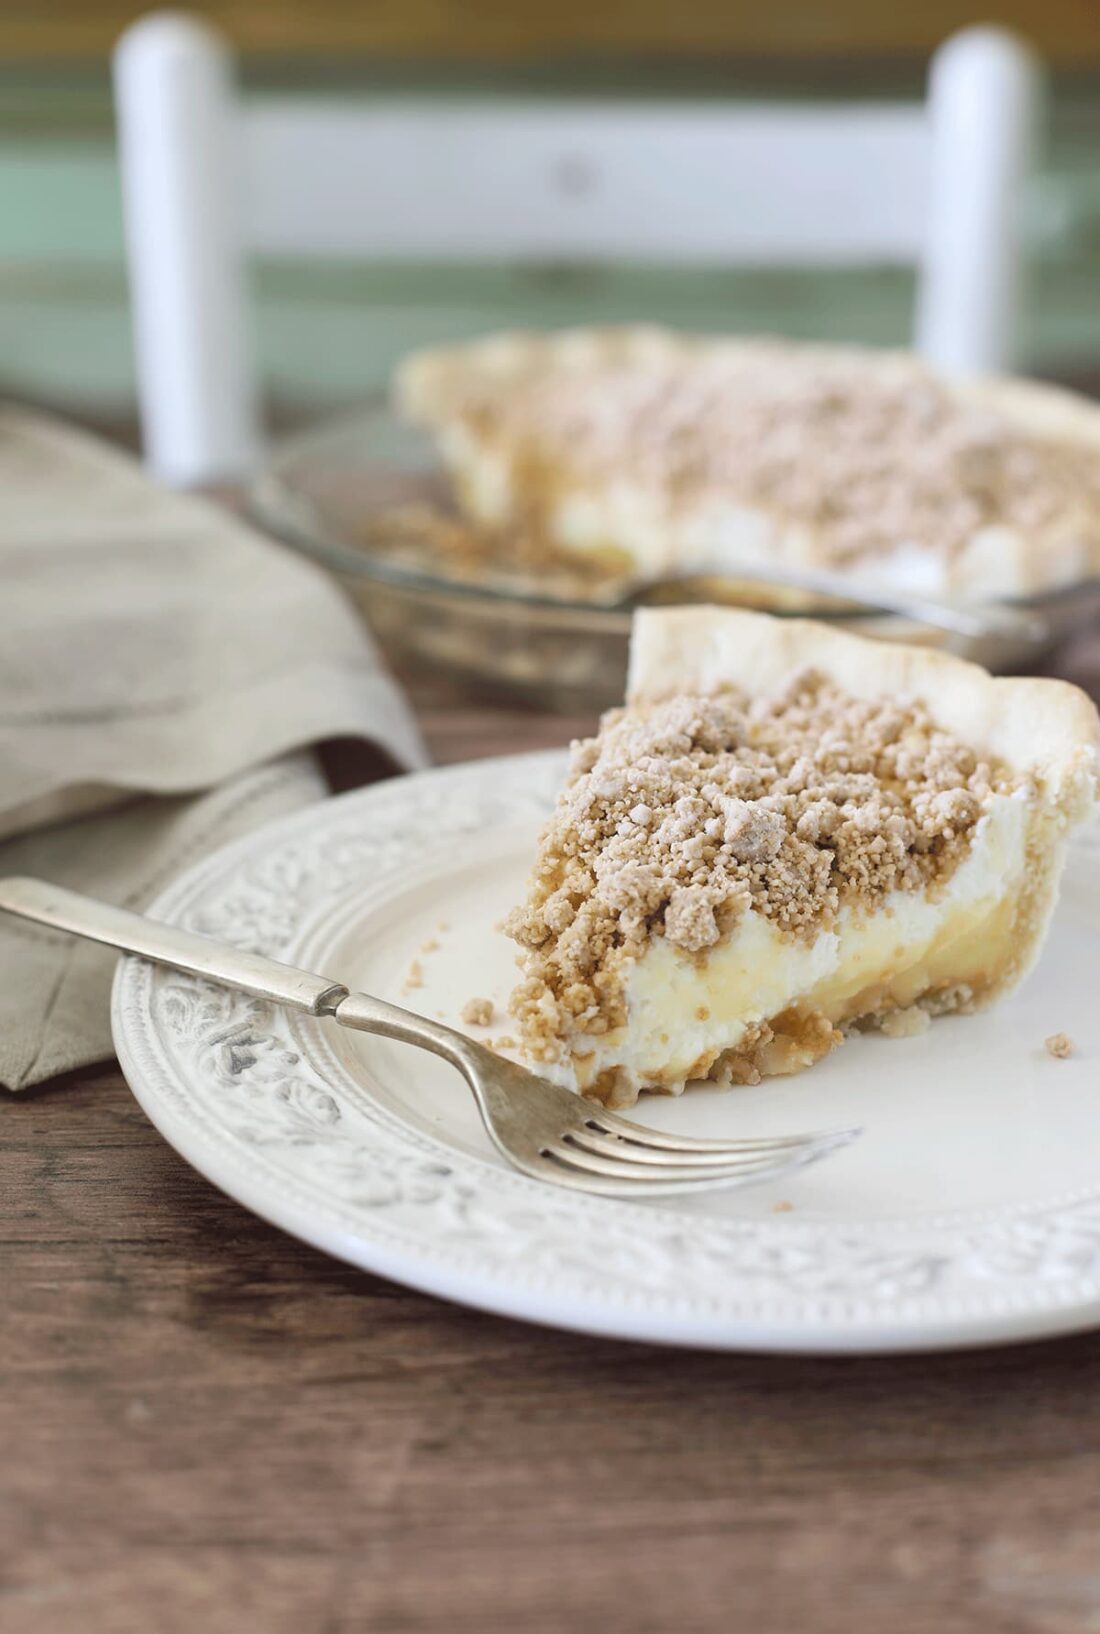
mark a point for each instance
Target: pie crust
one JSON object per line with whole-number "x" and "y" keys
{"x": 1011, "y": 770}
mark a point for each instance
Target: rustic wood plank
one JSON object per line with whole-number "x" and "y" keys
{"x": 487, "y": 30}
{"x": 208, "y": 1425}
{"x": 211, "y": 1425}
{"x": 456, "y": 731}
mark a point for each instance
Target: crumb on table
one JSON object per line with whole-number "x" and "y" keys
{"x": 1059, "y": 1045}
{"x": 477, "y": 1012}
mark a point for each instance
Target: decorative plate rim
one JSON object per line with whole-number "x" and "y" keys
{"x": 257, "y": 1102}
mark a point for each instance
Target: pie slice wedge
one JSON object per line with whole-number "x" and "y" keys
{"x": 789, "y": 832}
{"x": 656, "y": 452}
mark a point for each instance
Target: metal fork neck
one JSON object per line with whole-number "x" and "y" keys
{"x": 370, "y": 1015}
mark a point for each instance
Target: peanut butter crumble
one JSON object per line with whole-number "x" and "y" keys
{"x": 684, "y": 814}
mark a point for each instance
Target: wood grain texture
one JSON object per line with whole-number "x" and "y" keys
{"x": 208, "y": 1426}
{"x": 487, "y": 30}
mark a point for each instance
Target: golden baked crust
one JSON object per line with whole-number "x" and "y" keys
{"x": 677, "y": 449}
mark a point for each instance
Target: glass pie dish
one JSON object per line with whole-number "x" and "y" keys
{"x": 366, "y": 496}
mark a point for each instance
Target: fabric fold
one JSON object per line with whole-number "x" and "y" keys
{"x": 164, "y": 672}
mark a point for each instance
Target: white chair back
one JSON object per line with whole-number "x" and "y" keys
{"x": 208, "y": 179}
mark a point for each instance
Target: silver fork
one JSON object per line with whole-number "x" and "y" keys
{"x": 548, "y": 1132}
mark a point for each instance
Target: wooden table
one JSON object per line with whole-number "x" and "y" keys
{"x": 207, "y": 1426}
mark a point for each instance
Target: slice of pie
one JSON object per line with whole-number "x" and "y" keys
{"x": 786, "y": 833}
{"x": 660, "y": 451}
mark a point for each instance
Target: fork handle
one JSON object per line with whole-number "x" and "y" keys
{"x": 64, "y": 910}
{"x": 220, "y": 962}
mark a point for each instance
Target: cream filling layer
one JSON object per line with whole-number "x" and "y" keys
{"x": 683, "y": 1010}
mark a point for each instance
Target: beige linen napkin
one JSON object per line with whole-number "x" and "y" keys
{"x": 163, "y": 669}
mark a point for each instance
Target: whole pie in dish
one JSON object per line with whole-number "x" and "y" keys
{"x": 655, "y": 451}
{"x": 786, "y": 833}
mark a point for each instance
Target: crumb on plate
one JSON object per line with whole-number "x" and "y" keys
{"x": 905, "y": 1023}
{"x": 415, "y": 976}
{"x": 477, "y": 1012}
{"x": 1059, "y": 1045}
{"x": 782, "y": 1207}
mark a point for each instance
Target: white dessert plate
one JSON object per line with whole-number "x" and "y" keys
{"x": 968, "y": 1213}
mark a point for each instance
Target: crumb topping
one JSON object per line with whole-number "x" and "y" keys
{"x": 683, "y": 814}
{"x": 870, "y": 457}
{"x": 1060, "y": 1046}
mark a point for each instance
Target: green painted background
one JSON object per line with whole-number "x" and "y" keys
{"x": 328, "y": 333}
